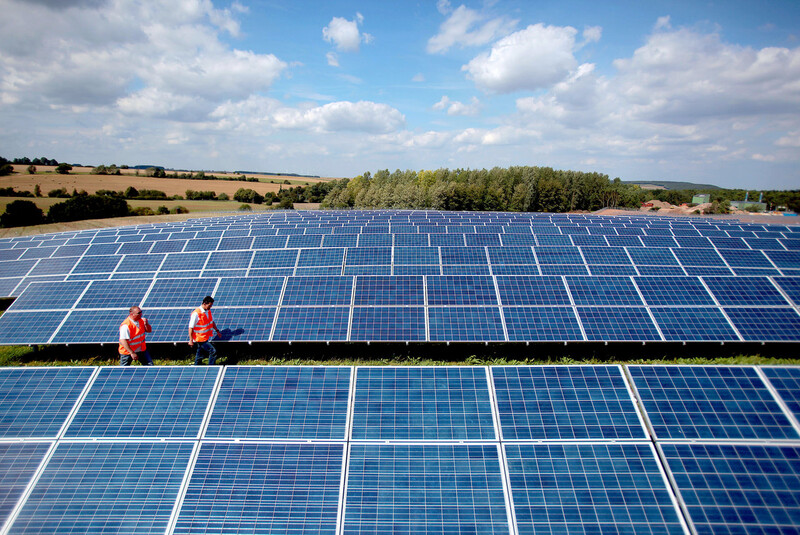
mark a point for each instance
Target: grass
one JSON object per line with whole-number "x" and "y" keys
{"x": 350, "y": 355}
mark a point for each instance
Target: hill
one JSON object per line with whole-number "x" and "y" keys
{"x": 670, "y": 184}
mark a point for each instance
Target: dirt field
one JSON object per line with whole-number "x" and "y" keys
{"x": 79, "y": 178}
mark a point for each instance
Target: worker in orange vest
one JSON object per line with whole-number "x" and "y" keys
{"x": 131, "y": 339}
{"x": 201, "y": 327}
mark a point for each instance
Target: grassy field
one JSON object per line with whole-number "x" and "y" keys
{"x": 80, "y": 179}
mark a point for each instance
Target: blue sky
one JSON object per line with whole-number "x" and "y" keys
{"x": 671, "y": 90}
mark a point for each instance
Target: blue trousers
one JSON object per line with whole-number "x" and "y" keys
{"x": 144, "y": 359}
{"x": 205, "y": 348}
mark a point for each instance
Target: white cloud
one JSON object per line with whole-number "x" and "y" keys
{"x": 344, "y": 34}
{"x": 455, "y": 107}
{"x": 663, "y": 23}
{"x": 592, "y": 34}
{"x": 333, "y": 59}
{"x": 530, "y": 59}
{"x": 791, "y": 139}
{"x": 467, "y": 27}
{"x": 363, "y": 116}
{"x": 419, "y": 77}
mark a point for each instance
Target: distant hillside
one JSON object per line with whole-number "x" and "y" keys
{"x": 670, "y": 184}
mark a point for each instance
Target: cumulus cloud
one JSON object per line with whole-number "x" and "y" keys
{"x": 344, "y": 34}
{"x": 530, "y": 59}
{"x": 363, "y": 116}
{"x": 455, "y": 107}
{"x": 467, "y": 27}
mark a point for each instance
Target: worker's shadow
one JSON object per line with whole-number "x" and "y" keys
{"x": 229, "y": 334}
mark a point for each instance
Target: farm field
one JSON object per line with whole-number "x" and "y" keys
{"x": 80, "y": 178}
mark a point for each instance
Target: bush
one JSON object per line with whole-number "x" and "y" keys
{"x": 63, "y": 168}
{"x": 248, "y": 196}
{"x": 151, "y": 194}
{"x": 286, "y": 203}
{"x": 88, "y": 207}
{"x": 61, "y": 193}
{"x": 179, "y": 210}
{"x": 245, "y": 208}
{"x": 131, "y": 193}
{"x": 142, "y": 210}
{"x": 21, "y": 214}
{"x": 223, "y": 197}
{"x": 200, "y": 195}
{"x": 10, "y": 192}
{"x": 161, "y": 210}
{"x": 5, "y": 167}
{"x": 31, "y": 169}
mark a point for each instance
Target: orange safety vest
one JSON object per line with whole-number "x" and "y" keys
{"x": 202, "y": 331}
{"x": 136, "y": 341}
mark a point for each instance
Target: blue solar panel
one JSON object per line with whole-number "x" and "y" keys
{"x": 388, "y": 324}
{"x": 97, "y": 264}
{"x": 745, "y": 258}
{"x": 49, "y": 295}
{"x": 249, "y": 291}
{"x": 431, "y": 403}
{"x": 558, "y": 255}
{"x": 114, "y": 293}
{"x": 263, "y": 488}
{"x": 464, "y": 255}
{"x": 465, "y": 324}
{"x": 106, "y": 488}
{"x": 709, "y": 402}
{"x": 565, "y": 403}
{"x": 737, "y": 488}
{"x": 605, "y": 255}
{"x": 461, "y": 290}
{"x": 54, "y": 266}
{"x": 145, "y": 402}
{"x": 603, "y": 291}
{"x": 617, "y": 323}
{"x": 318, "y": 291}
{"x": 397, "y": 290}
{"x": 92, "y": 326}
{"x": 321, "y": 257}
{"x": 541, "y": 324}
{"x": 786, "y": 381}
{"x": 281, "y": 403}
{"x": 522, "y": 290}
{"x": 461, "y": 487}
{"x": 140, "y": 262}
{"x": 229, "y": 260}
{"x": 766, "y": 324}
{"x": 673, "y": 291}
{"x": 179, "y": 293}
{"x": 275, "y": 258}
{"x": 590, "y": 488}
{"x": 368, "y": 256}
{"x": 744, "y": 291}
{"x": 652, "y": 256}
{"x": 790, "y": 286}
{"x": 18, "y": 463}
{"x": 511, "y": 255}
{"x": 693, "y": 324}
{"x": 35, "y": 402}
{"x": 312, "y": 323}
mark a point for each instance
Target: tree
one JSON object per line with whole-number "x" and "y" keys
{"x": 63, "y": 168}
{"x": 88, "y": 207}
{"x": 161, "y": 210}
{"x": 248, "y": 196}
{"x": 286, "y": 203}
{"x": 245, "y": 208}
{"x": 37, "y": 191}
{"x": 32, "y": 171}
{"x": 131, "y": 192}
{"x": 21, "y": 214}
{"x": 5, "y": 167}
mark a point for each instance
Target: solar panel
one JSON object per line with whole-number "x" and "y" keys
{"x": 617, "y": 323}
{"x": 311, "y": 323}
{"x": 766, "y": 324}
{"x": 737, "y": 488}
{"x": 35, "y": 402}
{"x": 49, "y": 295}
{"x": 709, "y": 402}
{"x": 590, "y": 488}
{"x": 145, "y": 402}
{"x": 397, "y": 290}
{"x": 744, "y": 291}
{"x": 465, "y": 324}
{"x": 179, "y": 292}
{"x": 461, "y": 487}
{"x": 18, "y": 463}
{"x": 388, "y": 324}
{"x": 431, "y": 403}
{"x": 693, "y": 324}
{"x": 263, "y": 488}
{"x": 541, "y": 324}
{"x": 249, "y": 291}
{"x": 105, "y": 488}
{"x": 603, "y": 291}
{"x": 114, "y": 293}
{"x": 461, "y": 290}
{"x": 318, "y": 291}
{"x": 522, "y": 290}
{"x": 786, "y": 381}
{"x": 673, "y": 291}
{"x": 565, "y": 403}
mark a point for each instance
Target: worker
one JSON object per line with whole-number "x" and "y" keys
{"x": 201, "y": 325}
{"x": 132, "y": 332}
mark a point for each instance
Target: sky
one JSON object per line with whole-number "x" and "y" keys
{"x": 687, "y": 90}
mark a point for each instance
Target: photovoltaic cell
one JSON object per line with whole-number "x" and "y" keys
{"x": 249, "y": 291}
{"x": 252, "y": 324}
{"x": 460, "y": 485}
{"x": 786, "y": 380}
{"x": 430, "y": 403}
{"x": 791, "y": 286}
{"x": 49, "y": 295}
{"x": 465, "y": 324}
{"x": 91, "y": 326}
{"x": 312, "y": 323}
{"x": 744, "y": 291}
{"x": 18, "y": 463}
{"x": 287, "y": 402}
{"x": 603, "y": 291}
{"x": 461, "y": 290}
{"x": 617, "y": 323}
{"x": 690, "y": 324}
{"x": 673, "y": 291}
{"x": 114, "y": 293}
{"x": 766, "y": 324}
{"x": 106, "y": 488}
{"x": 388, "y": 324}
{"x": 737, "y": 488}
{"x": 522, "y": 290}
{"x": 179, "y": 293}
{"x": 565, "y": 403}
{"x": 397, "y": 290}
{"x": 263, "y": 489}
{"x": 541, "y": 324}
{"x": 35, "y": 402}
{"x": 590, "y": 488}
{"x": 29, "y": 327}
{"x": 318, "y": 291}
{"x": 709, "y": 402}
{"x": 145, "y": 402}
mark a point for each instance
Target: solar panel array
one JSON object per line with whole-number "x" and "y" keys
{"x": 411, "y": 276}
{"x": 340, "y": 450}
